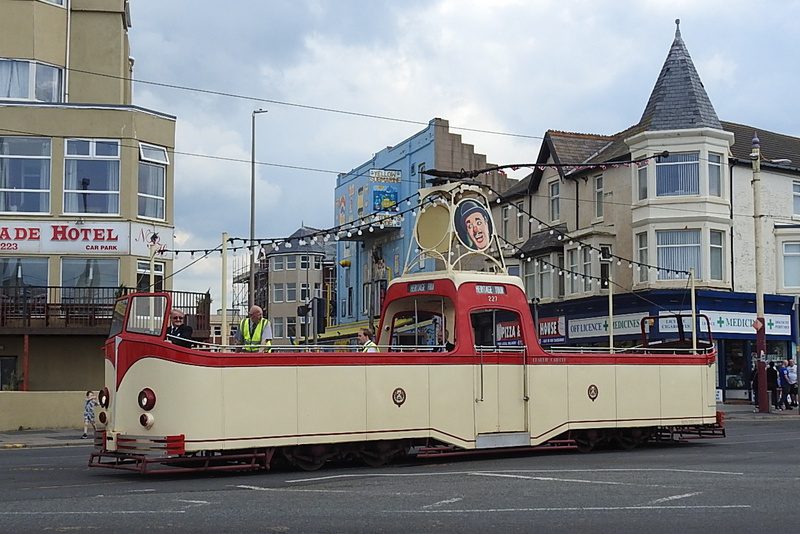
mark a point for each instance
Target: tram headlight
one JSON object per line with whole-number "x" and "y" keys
{"x": 104, "y": 398}
{"x": 103, "y": 418}
{"x": 147, "y": 399}
{"x": 147, "y": 420}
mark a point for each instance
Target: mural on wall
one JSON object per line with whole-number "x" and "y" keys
{"x": 384, "y": 198}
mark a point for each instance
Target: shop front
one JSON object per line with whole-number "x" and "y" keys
{"x": 728, "y": 316}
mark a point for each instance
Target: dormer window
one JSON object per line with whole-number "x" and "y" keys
{"x": 678, "y": 175}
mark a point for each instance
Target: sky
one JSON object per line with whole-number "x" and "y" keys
{"x": 515, "y": 66}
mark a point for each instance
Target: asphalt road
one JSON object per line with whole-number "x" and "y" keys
{"x": 747, "y": 482}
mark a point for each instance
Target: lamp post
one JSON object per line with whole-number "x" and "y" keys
{"x": 252, "y": 284}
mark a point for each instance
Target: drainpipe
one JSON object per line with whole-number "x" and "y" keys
{"x": 25, "y": 361}
{"x": 67, "y": 51}
{"x": 732, "y": 164}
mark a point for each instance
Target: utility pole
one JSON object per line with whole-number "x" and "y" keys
{"x": 759, "y": 325}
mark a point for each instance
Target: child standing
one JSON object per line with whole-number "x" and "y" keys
{"x": 88, "y": 413}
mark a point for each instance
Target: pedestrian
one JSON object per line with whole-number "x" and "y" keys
{"x": 255, "y": 332}
{"x": 178, "y": 331}
{"x": 88, "y": 413}
{"x": 772, "y": 384}
{"x": 754, "y": 384}
{"x": 783, "y": 379}
{"x": 365, "y": 340}
{"x": 791, "y": 375}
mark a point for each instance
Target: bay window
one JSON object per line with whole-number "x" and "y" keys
{"x": 716, "y": 254}
{"x": 24, "y": 175}
{"x": 587, "y": 268}
{"x": 642, "y": 257}
{"x": 714, "y": 174}
{"x": 91, "y": 177}
{"x": 678, "y": 174}
{"x": 796, "y": 195}
{"x": 30, "y": 80}
{"x": 153, "y": 161}
{"x": 678, "y": 250}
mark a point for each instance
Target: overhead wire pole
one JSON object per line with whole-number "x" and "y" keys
{"x": 761, "y": 334}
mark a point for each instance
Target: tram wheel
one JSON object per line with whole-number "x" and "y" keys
{"x": 307, "y": 458}
{"x": 377, "y": 454}
{"x": 586, "y": 441}
{"x": 625, "y": 440}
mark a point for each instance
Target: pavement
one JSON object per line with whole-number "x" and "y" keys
{"x": 71, "y": 437}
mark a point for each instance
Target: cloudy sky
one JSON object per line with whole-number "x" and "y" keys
{"x": 515, "y": 66}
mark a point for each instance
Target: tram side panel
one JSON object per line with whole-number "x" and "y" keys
{"x": 331, "y": 404}
{"x": 261, "y": 403}
{"x": 682, "y": 398}
{"x": 592, "y": 396}
{"x": 397, "y": 402}
{"x": 639, "y": 393}
{"x": 549, "y": 408}
{"x": 452, "y": 404}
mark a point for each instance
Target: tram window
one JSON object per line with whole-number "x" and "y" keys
{"x": 146, "y": 315}
{"x": 414, "y": 323}
{"x": 118, "y": 317}
{"x": 495, "y": 329}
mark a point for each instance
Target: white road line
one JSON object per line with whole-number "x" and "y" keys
{"x": 447, "y": 501}
{"x": 553, "y": 479}
{"x": 140, "y": 490}
{"x": 292, "y": 490}
{"x": 674, "y": 498}
{"x": 115, "y": 483}
{"x": 450, "y": 473}
{"x": 571, "y": 509}
{"x": 95, "y": 512}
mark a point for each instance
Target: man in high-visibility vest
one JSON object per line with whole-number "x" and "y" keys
{"x": 365, "y": 339}
{"x": 255, "y": 332}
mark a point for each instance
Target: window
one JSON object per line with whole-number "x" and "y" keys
{"x": 716, "y": 254}
{"x": 152, "y": 180}
{"x": 496, "y": 329}
{"x": 291, "y": 292}
{"x": 30, "y": 80}
{"x": 291, "y": 327}
{"x": 303, "y": 326}
{"x": 598, "y": 196}
{"x": 506, "y": 212}
{"x": 791, "y": 264}
{"x": 422, "y": 177}
{"x": 545, "y": 278}
{"x": 291, "y": 262}
{"x": 678, "y": 174}
{"x": 678, "y": 250}
{"x": 642, "y": 177}
{"x": 277, "y": 263}
{"x": 573, "y": 267}
{"x": 555, "y": 208}
{"x": 714, "y": 174}
{"x": 83, "y": 279}
{"x": 641, "y": 247}
{"x": 366, "y": 298}
{"x": 317, "y": 262}
{"x": 143, "y": 275}
{"x": 317, "y": 290}
{"x": 520, "y": 220}
{"x": 304, "y": 297}
{"x": 796, "y": 191}
{"x": 278, "y": 327}
{"x": 91, "y": 176}
{"x": 277, "y": 293}
{"x": 587, "y": 268}
{"x": 304, "y": 262}
{"x": 24, "y": 175}
{"x": 18, "y": 272}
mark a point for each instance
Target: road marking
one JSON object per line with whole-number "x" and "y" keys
{"x": 95, "y": 512}
{"x": 674, "y": 497}
{"x": 450, "y": 473}
{"x": 292, "y": 490}
{"x": 553, "y": 479}
{"x": 572, "y": 509}
{"x": 447, "y": 501}
{"x": 140, "y": 490}
{"x": 115, "y": 483}
{"x": 196, "y": 503}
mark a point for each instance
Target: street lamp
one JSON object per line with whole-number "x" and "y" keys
{"x": 252, "y": 285}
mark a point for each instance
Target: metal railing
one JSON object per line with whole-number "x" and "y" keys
{"x": 84, "y": 307}
{"x": 702, "y": 348}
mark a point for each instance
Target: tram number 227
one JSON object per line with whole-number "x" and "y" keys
{"x": 492, "y": 298}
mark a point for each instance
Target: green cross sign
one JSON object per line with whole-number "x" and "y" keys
{"x": 721, "y": 322}
{"x": 770, "y": 324}
{"x": 605, "y": 325}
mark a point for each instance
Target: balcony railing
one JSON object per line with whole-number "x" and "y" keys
{"x": 60, "y": 310}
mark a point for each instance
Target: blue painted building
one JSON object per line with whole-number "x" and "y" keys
{"x": 377, "y": 199}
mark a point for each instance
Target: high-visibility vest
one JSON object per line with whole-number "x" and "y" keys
{"x": 370, "y": 346}
{"x": 252, "y": 340}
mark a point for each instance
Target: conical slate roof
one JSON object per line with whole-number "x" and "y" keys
{"x": 679, "y": 100}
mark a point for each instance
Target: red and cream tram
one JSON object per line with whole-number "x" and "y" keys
{"x": 490, "y": 385}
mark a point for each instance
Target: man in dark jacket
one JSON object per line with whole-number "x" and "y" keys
{"x": 179, "y": 332}
{"x": 772, "y": 384}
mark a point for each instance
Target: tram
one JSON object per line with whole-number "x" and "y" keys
{"x": 459, "y": 369}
